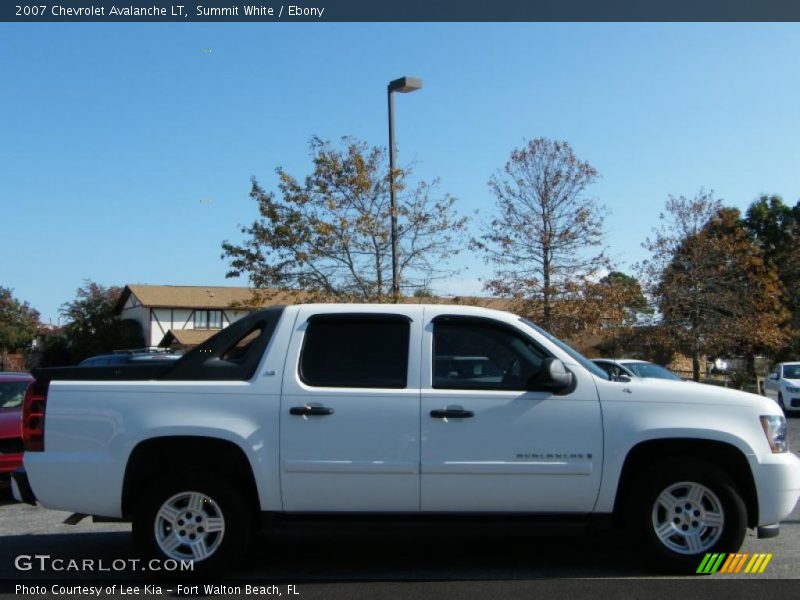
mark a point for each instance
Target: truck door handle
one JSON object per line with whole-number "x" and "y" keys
{"x": 452, "y": 413}
{"x": 310, "y": 411}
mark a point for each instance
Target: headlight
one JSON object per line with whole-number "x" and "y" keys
{"x": 775, "y": 430}
{"x": 793, "y": 389}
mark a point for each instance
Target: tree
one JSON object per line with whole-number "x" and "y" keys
{"x": 93, "y": 327}
{"x": 709, "y": 280}
{"x": 544, "y": 235}
{"x": 772, "y": 222}
{"x": 55, "y": 351}
{"x": 613, "y": 305}
{"x": 330, "y": 235}
{"x": 610, "y": 307}
{"x": 776, "y": 228}
{"x": 19, "y": 323}
{"x": 623, "y": 296}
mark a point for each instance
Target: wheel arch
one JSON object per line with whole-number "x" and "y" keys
{"x": 154, "y": 457}
{"x": 722, "y": 455}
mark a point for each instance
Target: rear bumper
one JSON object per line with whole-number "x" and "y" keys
{"x": 21, "y": 487}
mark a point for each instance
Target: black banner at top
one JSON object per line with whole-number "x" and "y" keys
{"x": 400, "y": 10}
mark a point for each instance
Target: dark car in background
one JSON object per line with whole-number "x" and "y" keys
{"x": 12, "y": 393}
{"x": 124, "y": 357}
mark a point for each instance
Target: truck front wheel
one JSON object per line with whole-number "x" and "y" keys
{"x": 192, "y": 517}
{"x": 683, "y": 508}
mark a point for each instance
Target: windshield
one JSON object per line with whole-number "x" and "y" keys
{"x": 577, "y": 356}
{"x": 12, "y": 393}
{"x": 791, "y": 371}
{"x": 646, "y": 369}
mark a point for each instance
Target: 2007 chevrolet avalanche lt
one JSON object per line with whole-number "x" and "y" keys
{"x": 400, "y": 409}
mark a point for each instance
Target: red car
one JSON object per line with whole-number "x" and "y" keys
{"x": 12, "y": 392}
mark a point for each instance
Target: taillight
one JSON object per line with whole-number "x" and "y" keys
{"x": 33, "y": 416}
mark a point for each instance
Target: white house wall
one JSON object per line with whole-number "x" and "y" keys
{"x": 164, "y": 319}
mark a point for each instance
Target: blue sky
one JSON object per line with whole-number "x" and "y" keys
{"x": 126, "y": 150}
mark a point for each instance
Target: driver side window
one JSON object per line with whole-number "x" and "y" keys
{"x": 476, "y": 354}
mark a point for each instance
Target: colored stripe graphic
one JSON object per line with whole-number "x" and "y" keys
{"x": 727, "y": 567}
{"x": 711, "y": 563}
{"x": 767, "y": 558}
{"x": 758, "y": 563}
{"x": 740, "y": 562}
{"x": 733, "y": 563}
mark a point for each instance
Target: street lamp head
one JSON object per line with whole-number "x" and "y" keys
{"x": 405, "y": 85}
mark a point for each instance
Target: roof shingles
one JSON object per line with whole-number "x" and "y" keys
{"x": 201, "y": 296}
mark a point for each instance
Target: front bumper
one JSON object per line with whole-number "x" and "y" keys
{"x": 21, "y": 487}
{"x": 778, "y": 485}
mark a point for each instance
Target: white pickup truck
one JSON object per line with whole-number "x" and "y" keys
{"x": 400, "y": 410}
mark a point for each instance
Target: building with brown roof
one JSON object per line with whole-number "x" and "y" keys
{"x": 204, "y": 310}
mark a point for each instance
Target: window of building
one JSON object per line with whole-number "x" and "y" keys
{"x": 359, "y": 351}
{"x": 208, "y": 319}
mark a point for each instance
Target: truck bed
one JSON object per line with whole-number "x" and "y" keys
{"x": 232, "y": 354}
{"x": 132, "y": 372}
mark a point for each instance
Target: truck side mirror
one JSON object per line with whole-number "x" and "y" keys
{"x": 552, "y": 376}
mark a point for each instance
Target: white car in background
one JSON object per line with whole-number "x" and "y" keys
{"x": 783, "y": 386}
{"x": 632, "y": 368}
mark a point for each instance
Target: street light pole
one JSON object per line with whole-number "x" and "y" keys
{"x": 403, "y": 85}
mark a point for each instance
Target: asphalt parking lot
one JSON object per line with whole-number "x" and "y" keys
{"x": 367, "y": 555}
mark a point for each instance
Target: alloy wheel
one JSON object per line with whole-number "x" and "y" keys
{"x": 688, "y": 518}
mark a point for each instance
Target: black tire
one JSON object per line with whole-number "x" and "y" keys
{"x": 780, "y": 403}
{"x": 223, "y": 500}
{"x": 686, "y": 535}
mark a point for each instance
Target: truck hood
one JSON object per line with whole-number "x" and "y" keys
{"x": 663, "y": 390}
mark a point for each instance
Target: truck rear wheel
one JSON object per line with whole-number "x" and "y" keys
{"x": 194, "y": 517}
{"x": 683, "y": 508}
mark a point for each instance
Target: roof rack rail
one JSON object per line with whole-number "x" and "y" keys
{"x": 149, "y": 350}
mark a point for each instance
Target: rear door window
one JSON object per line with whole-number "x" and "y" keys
{"x": 356, "y": 351}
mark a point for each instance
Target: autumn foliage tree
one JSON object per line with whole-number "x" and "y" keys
{"x": 713, "y": 289}
{"x": 616, "y": 303}
{"x": 545, "y": 236}
{"x": 775, "y": 227}
{"x": 329, "y": 235}
{"x": 92, "y": 325}
{"x": 18, "y": 323}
